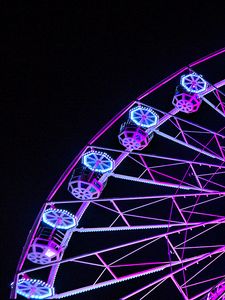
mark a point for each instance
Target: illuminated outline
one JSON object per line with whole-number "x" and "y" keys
{"x": 143, "y": 116}
{"x": 193, "y": 83}
{"x": 52, "y": 216}
{"x": 98, "y": 161}
{"x": 40, "y": 289}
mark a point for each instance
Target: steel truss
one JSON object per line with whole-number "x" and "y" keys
{"x": 171, "y": 230}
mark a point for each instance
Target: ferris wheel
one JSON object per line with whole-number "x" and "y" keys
{"x": 140, "y": 211}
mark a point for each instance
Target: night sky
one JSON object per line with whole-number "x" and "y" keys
{"x": 67, "y": 69}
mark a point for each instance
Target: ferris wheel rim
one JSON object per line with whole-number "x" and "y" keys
{"x": 149, "y": 91}
{"x": 74, "y": 162}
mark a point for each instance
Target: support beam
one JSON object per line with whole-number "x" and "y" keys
{"x": 165, "y": 184}
{"x": 199, "y": 150}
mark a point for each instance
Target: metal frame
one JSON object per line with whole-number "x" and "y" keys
{"x": 203, "y": 188}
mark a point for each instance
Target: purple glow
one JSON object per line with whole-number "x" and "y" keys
{"x": 186, "y": 103}
{"x": 143, "y": 116}
{"x": 133, "y": 138}
{"x": 169, "y": 78}
{"x": 173, "y": 218}
{"x": 50, "y": 253}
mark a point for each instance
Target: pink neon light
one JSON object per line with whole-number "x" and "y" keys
{"x": 50, "y": 253}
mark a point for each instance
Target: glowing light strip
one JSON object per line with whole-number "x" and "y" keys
{"x": 180, "y": 71}
{"x": 62, "y": 213}
{"x": 94, "y": 161}
{"x": 149, "y": 181}
{"x": 166, "y": 157}
{"x": 192, "y": 261}
{"x": 187, "y": 80}
{"x": 138, "y": 112}
{"x": 217, "y": 221}
{"x": 119, "y": 228}
{"x": 103, "y": 284}
{"x": 33, "y": 283}
{"x": 197, "y": 259}
{"x": 187, "y": 145}
{"x": 212, "y": 105}
{"x": 135, "y": 198}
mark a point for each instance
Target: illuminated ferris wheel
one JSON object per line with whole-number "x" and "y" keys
{"x": 140, "y": 211}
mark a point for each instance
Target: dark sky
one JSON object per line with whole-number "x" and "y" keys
{"x": 67, "y": 69}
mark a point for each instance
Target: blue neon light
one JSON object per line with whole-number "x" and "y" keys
{"x": 193, "y": 83}
{"x": 59, "y": 218}
{"x": 98, "y": 161}
{"x": 34, "y": 289}
{"x": 143, "y": 116}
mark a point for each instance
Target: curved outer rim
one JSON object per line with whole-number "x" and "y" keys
{"x": 77, "y": 158}
{"x": 101, "y": 131}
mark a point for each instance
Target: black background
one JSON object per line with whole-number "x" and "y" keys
{"x": 67, "y": 68}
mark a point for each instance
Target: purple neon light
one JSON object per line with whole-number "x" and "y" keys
{"x": 50, "y": 253}
{"x": 169, "y": 78}
{"x": 186, "y": 214}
